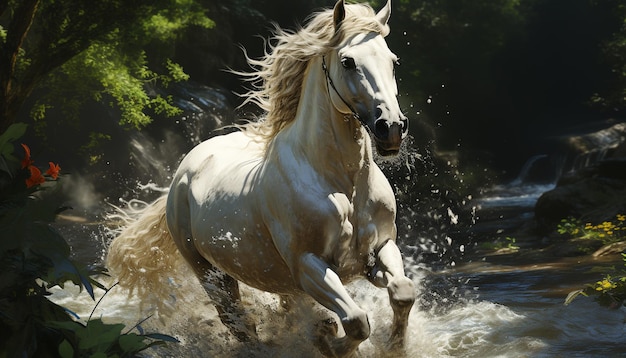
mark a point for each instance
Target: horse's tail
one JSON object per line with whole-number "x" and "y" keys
{"x": 144, "y": 257}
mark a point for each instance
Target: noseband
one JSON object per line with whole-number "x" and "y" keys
{"x": 331, "y": 84}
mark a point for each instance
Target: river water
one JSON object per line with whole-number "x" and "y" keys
{"x": 477, "y": 305}
{"x": 482, "y": 306}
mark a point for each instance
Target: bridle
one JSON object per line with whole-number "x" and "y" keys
{"x": 331, "y": 84}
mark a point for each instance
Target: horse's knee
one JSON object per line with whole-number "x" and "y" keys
{"x": 357, "y": 326}
{"x": 402, "y": 293}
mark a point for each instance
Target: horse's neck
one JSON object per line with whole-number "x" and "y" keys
{"x": 332, "y": 143}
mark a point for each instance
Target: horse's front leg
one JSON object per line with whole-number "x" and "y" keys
{"x": 318, "y": 280}
{"x": 389, "y": 272}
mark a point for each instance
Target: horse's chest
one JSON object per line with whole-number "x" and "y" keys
{"x": 357, "y": 239}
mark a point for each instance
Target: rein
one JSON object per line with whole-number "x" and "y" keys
{"x": 332, "y": 84}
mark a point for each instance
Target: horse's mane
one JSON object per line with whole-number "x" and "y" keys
{"x": 278, "y": 79}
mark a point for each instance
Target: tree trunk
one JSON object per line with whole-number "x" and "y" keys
{"x": 13, "y": 95}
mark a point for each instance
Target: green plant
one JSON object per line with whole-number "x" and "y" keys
{"x": 607, "y": 232}
{"x": 609, "y": 292}
{"x": 96, "y": 338}
{"x": 34, "y": 257}
{"x": 507, "y": 244}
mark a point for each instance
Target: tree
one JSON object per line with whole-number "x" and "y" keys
{"x": 508, "y": 74}
{"x": 613, "y": 98}
{"x": 99, "y": 46}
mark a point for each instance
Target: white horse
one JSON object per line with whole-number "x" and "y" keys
{"x": 293, "y": 203}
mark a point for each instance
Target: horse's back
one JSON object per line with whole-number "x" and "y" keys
{"x": 213, "y": 209}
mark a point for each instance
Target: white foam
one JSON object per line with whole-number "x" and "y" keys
{"x": 471, "y": 329}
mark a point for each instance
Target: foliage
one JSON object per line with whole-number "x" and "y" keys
{"x": 116, "y": 69}
{"x": 78, "y": 50}
{"x": 614, "y": 55}
{"x": 608, "y": 292}
{"x": 611, "y": 290}
{"x": 99, "y": 339}
{"x": 469, "y": 69}
{"x": 508, "y": 244}
{"x": 35, "y": 257}
{"x": 607, "y": 232}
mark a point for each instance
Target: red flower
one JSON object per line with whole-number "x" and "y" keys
{"x": 26, "y": 162}
{"x": 35, "y": 177}
{"x": 53, "y": 171}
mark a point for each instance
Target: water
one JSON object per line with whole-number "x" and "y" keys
{"x": 507, "y": 311}
{"x": 482, "y": 307}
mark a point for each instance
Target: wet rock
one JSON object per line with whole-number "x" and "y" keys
{"x": 593, "y": 194}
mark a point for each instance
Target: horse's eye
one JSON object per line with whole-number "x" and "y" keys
{"x": 348, "y": 63}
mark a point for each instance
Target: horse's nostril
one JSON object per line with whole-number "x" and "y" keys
{"x": 382, "y": 129}
{"x": 404, "y": 123}
{"x": 378, "y": 113}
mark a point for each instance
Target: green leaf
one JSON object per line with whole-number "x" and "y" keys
{"x": 132, "y": 343}
{"x": 162, "y": 337}
{"x": 98, "y": 335}
{"x": 66, "y": 350}
{"x": 15, "y": 131}
{"x": 572, "y": 295}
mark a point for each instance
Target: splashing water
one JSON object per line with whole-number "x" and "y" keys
{"x": 468, "y": 329}
{"x": 473, "y": 309}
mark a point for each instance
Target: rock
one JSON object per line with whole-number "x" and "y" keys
{"x": 595, "y": 188}
{"x": 593, "y": 194}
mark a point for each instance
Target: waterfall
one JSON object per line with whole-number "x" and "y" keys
{"x": 523, "y": 174}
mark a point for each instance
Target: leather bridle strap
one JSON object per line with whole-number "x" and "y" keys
{"x": 332, "y": 85}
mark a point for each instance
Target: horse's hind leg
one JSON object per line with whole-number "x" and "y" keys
{"x": 223, "y": 290}
{"x": 389, "y": 272}
{"x": 322, "y": 283}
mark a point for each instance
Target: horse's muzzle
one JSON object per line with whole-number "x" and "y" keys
{"x": 388, "y": 136}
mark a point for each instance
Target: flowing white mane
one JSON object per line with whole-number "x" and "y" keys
{"x": 277, "y": 81}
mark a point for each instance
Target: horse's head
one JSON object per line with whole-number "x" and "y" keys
{"x": 361, "y": 81}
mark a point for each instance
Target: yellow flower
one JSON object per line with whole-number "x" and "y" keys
{"x": 605, "y": 285}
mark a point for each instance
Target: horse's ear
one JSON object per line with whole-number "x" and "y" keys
{"x": 384, "y": 14}
{"x": 339, "y": 13}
